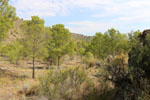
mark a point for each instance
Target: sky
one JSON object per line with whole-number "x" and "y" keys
{"x": 88, "y": 16}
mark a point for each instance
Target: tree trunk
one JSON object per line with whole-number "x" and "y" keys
{"x": 58, "y": 61}
{"x": 51, "y": 62}
{"x": 33, "y": 73}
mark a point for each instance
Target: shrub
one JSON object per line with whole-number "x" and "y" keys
{"x": 62, "y": 84}
{"x": 89, "y": 59}
{"x": 139, "y": 66}
{"x": 29, "y": 89}
{"x": 115, "y": 77}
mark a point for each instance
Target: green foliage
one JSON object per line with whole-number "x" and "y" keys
{"x": 60, "y": 42}
{"x": 139, "y": 56}
{"x": 81, "y": 47}
{"x": 139, "y": 61}
{"x": 133, "y": 38}
{"x": 34, "y": 37}
{"x": 111, "y": 42}
{"x": 70, "y": 48}
{"x": 115, "y": 74}
{"x": 7, "y": 16}
{"x": 13, "y": 51}
{"x": 133, "y": 84}
{"x": 89, "y": 59}
{"x": 97, "y": 46}
{"x": 115, "y": 68}
{"x": 61, "y": 38}
{"x": 63, "y": 84}
{"x": 144, "y": 95}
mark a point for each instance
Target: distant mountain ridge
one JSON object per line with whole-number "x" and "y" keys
{"x": 77, "y": 36}
{"x": 16, "y": 33}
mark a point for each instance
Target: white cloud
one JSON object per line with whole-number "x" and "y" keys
{"x": 91, "y": 27}
{"x": 45, "y": 8}
{"x": 42, "y": 8}
{"x": 131, "y": 9}
{"x": 91, "y": 3}
{"x": 120, "y": 13}
{"x": 27, "y": 8}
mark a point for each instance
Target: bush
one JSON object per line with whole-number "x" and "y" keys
{"x": 63, "y": 84}
{"x": 115, "y": 77}
{"x": 139, "y": 67}
{"x": 89, "y": 59}
{"x": 29, "y": 89}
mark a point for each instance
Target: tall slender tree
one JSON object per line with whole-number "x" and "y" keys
{"x": 34, "y": 39}
{"x": 60, "y": 39}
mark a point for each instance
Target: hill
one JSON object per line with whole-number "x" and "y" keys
{"x": 81, "y": 37}
{"x": 16, "y": 32}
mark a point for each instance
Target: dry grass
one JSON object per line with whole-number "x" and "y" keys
{"x": 14, "y": 79}
{"x": 16, "y": 82}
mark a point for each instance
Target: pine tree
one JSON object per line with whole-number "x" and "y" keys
{"x": 34, "y": 39}
{"x": 59, "y": 41}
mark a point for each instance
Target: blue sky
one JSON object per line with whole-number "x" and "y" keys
{"x": 88, "y": 16}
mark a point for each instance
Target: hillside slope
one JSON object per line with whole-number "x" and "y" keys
{"x": 16, "y": 32}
